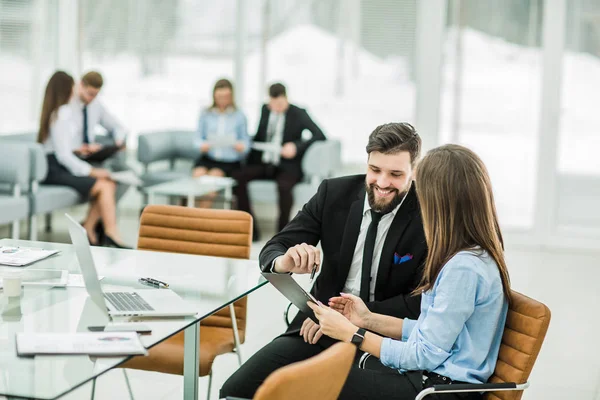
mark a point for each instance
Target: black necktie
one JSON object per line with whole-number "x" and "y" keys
{"x": 86, "y": 138}
{"x": 365, "y": 281}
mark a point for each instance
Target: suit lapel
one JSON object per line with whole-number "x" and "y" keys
{"x": 351, "y": 231}
{"x": 399, "y": 225}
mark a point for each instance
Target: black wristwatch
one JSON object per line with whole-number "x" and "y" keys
{"x": 358, "y": 337}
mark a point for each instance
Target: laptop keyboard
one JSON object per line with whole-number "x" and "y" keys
{"x": 127, "y": 301}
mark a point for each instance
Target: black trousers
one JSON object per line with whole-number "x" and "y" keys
{"x": 376, "y": 381}
{"x": 285, "y": 183}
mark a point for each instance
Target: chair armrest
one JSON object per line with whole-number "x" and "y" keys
{"x": 156, "y": 146}
{"x": 15, "y": 165}
{"x": 474, "y": 387}
{"x": 286, "y": 315}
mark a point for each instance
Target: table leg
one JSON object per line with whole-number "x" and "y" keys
{"x": 191, "y": 201}
{"x": 191, "y": 362}
{"x": 228, "y": 196}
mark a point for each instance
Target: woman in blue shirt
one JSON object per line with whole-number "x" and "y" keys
{"x": 222, "y": 137}
{"x": 465, "y": 293}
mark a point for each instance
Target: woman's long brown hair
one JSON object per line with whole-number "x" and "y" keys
{"x": 457, "y": 205}
{"x": 223, "y": 84}
{"x": 58, "y": 92}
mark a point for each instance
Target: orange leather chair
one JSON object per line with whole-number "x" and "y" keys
{"x": 526, "y": 326}
{"x": 211, "y": 232}
{"x": 326, "y": 372}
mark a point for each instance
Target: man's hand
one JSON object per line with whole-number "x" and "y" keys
{"x": 353, "y": 308}
{"x": 288, "y": 150}
{"x": 300, "y": 259}
{"x": 100, "y": 173}
{"x": 204, "y": 148}
{"x": 239, "y": 147}
{"x": 310, "y": 331}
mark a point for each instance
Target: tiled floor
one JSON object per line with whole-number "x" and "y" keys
{"x": 568, "y": 366}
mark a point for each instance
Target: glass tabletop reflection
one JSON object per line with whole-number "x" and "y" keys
{"x": 208, "y": 283}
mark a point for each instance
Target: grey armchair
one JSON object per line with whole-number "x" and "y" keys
{"x": 167, "y": 147}
{"x": 14, "y": 176}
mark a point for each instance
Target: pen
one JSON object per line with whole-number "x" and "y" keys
{"x": 312, "y": 274}
{"x": 153, "y": 282}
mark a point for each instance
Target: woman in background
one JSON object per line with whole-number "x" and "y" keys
{"x": 465, "y": 293}
{"x": 222, "y": 136}
{"x": 58, "y": 135}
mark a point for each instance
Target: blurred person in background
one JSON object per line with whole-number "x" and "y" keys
{"x": 89, "y": 112}
{"x": 281, "y": 125}
{"x": 60, "y": 135}
{"x": 222, "y": 136}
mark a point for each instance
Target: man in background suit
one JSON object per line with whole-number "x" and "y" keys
{"x": 281, "y": 124}
{"x": 373, "y": 243}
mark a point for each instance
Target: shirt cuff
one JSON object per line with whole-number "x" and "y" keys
{"x": 407, "y": 327}
{"x": 272, "y": 270}
{"x": 390, "y": 352}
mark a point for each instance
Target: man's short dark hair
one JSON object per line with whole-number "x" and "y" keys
{"x": 395, "y": 137}
{"x": 277, "y": 90}
{"x": 93, "y": 79}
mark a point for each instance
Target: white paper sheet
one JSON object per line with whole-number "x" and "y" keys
{"x": 92, "y": 343}
{"x": 20, "y": 256}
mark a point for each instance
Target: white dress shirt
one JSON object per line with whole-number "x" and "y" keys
{"x": 64, "y": 138}
{"x": 96, "y": 115}
{"x": 276, "y": 123}
{"x": 352, "y": 284}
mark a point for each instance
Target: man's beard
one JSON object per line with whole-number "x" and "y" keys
{"x": 383, "y": 207}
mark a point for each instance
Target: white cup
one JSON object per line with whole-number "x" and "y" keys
{"x": 11, "y": 281}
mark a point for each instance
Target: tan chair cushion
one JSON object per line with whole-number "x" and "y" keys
{"x": 526, "y": 326}
{"x": 320, "y": 377}
{"x": 221, "y": 233}
{"x": 167, "y": 357}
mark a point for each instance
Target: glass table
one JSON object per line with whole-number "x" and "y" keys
{"x": 191, "y": 188}
{"x": 209, "y": 283}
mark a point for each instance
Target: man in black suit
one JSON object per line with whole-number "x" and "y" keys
{"x": 373, "y": 243}
{"x": 281, "y": 125}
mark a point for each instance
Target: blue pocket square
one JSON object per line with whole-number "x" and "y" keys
{"x": 398, "y": 259}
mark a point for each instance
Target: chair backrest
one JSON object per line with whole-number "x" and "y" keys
{"x": 166, "y": 145}
{"x": 322, "y": 160}
{"x": 320, "y": 377}
{"x": 201, "y": 231}
{"x": 526, "y": 326}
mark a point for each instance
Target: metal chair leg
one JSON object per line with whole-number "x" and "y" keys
{"x": 93, "y": 389}
{"x": 48, "y": 217}
{"x": 236, "y": 334}
{"x": 209, "y": 385}
{"x": 128, "y": 384}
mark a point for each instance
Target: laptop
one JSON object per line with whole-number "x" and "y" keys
{"x": 139, "y": 302}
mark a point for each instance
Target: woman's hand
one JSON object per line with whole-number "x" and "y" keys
{"x": 353, "y": 308}
{"x": 204, "y": 148}
{"x": 100, "y": 173}
{"x": 239, "y": 147}
{"x": 333, "y": 324}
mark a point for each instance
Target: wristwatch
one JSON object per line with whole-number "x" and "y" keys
{"x": 358, "y": 337}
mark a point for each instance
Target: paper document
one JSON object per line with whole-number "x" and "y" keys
{"x": 20, "y": 256}
{"x": 126, "y": 177}
{"x": 92, "y": 343}
{"x": 270, "y": 147}
{"x": 221, "y": 141}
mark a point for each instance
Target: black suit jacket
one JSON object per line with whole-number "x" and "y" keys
{"x": 333, "y": 216}
{"x": 296, "y": 121}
